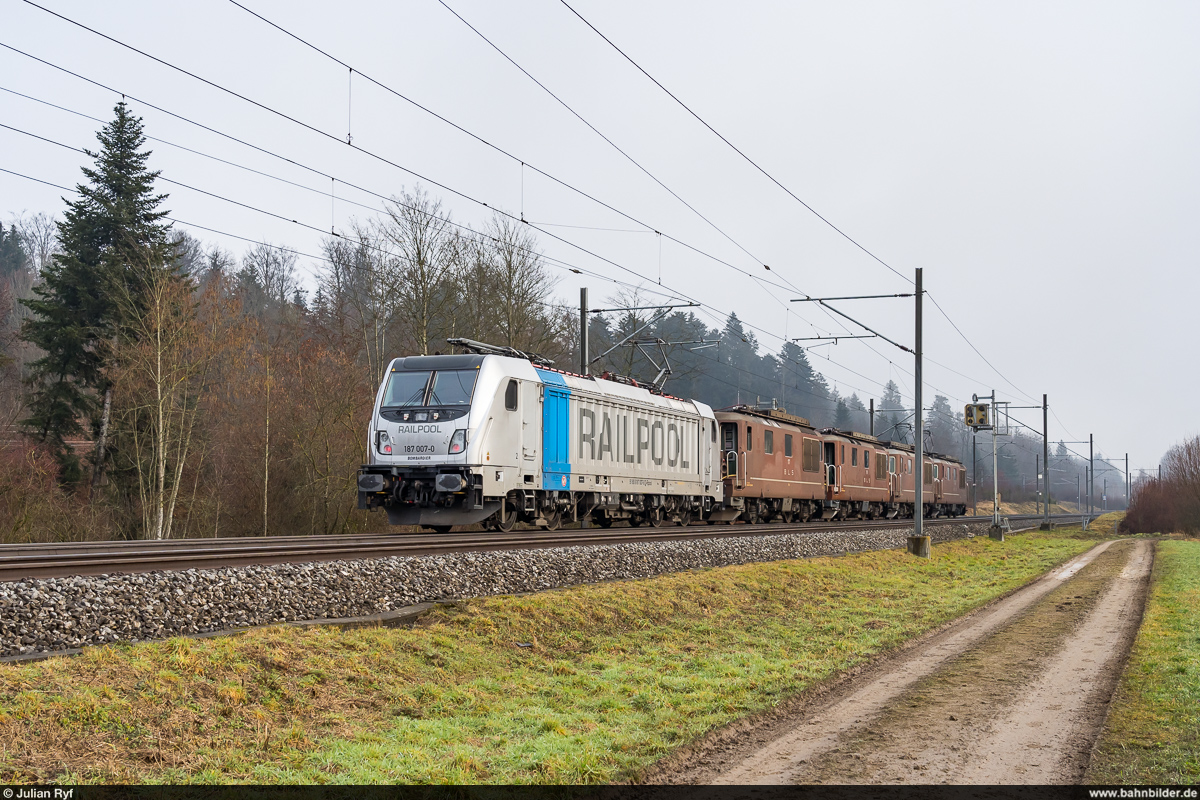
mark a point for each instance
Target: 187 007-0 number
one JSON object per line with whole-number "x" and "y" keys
{"x": 418, "y": 448}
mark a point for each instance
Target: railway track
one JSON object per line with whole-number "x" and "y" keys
{"x": 24, "y": 561}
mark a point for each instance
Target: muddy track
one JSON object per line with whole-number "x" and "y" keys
{"x": 1014, "y": 693}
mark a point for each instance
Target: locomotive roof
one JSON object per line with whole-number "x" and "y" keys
{"x": 775, "y": 414}
{"x": 464, "y": 361}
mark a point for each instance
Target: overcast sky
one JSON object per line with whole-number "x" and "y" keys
{"x": 1038, "y": 160}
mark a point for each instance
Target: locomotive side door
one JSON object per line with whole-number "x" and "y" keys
{"x": 730, "y": 466}
{"x": 531, "y": 430}
{"x": 707, "y": 439}
{"x": 831, "y": 470}
{"x": 556, "y": 430}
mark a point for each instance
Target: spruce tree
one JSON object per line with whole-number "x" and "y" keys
{"x": 109, "y": 239}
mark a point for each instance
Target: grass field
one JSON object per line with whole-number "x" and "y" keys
{"x": 584, "y": 685}
{"x": 1153, "y": 730}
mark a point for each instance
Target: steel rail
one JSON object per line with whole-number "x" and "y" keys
{"x": 64, "y": 559}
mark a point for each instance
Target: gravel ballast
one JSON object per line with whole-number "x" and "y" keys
{"x": 55, "y": 614}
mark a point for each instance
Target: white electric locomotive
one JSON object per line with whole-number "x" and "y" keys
{"x": 498, "y": 437}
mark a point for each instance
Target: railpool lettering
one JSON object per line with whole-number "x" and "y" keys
{"x": 609, "y": 439}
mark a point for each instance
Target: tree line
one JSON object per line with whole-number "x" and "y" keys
{"x": 158, "y": 386}
{"x": 1169, "y": 501}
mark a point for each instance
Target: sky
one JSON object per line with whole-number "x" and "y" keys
{"x": 1038, "y": 161}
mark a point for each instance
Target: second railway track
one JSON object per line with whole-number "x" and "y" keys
{"x": 27, "y": 561}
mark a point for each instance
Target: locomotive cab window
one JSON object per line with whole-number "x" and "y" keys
{"x": 892, "y": 464}
{"x": 510, "y": 396}
{"x": 729, "y": 436}
{"x": 452, "y": 387}
{"x": 406, "y": 389}
{"x": 769, "y": 442}
{"x": 787, "y": 445}
{"x": 853, "y": 456}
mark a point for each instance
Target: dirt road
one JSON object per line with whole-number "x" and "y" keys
{"x": 1014, "y": 693}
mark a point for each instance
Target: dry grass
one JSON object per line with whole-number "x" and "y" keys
{"x": 616, "y": 676}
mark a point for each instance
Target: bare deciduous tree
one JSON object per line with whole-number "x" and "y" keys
{"x": 164, "y": 372}
{"x": 419, "y": 231}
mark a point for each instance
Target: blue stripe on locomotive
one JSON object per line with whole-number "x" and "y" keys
{"x": 556, "y": 432}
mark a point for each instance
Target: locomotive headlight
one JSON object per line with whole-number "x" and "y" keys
{"x": 383, "y": 442}
{"x": 458, "y": 442}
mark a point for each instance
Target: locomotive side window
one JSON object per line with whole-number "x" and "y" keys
{"x": 787, "y": 445}
{"x": 854, "y": 456}
{"x": 812, "y": 455}
{"x": 867, "y": 460}
{"x": 769, "y": 442}
{"x": 510, "y": 396}
{"x": 749, "y": 438}
{"x": 842, "y": 460}
{"x": 713, "y": 432}
{"x": 892, "y": 464}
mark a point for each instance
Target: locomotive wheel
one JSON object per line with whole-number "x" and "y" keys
{"x": 656, "y": 518}
{"x": 685, "y": 518}
{"x": 635, "y": 522}
{"x": 605, "y": 521}
{"x": 506, "y": 519}
{"x": 553, "y": 521}
{"x": 788, "y": 517}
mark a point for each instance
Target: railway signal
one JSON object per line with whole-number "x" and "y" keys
{"x": 976, "y": 415}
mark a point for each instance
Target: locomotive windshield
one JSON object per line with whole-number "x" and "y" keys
{"x": 406, "y": 389}
{"x": 425, "y": 388}
{"x": 452, "y": 387}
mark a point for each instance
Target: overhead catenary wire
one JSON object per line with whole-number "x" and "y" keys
{"x": 524, "y": 162}
{"x": 312, "y": 128}
{"x": 324, "y": 174}
{"x": 326, "y": 259}
{"x": 736, "y": 149}
{"x": 287, "y": 117}
{"x": 456, "y": 192}
{"x": 318, "y": 131}
{"x": 281, "y": 248}
{"x": 786, "y": 190}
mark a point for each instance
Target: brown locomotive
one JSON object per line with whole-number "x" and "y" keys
{"x": 777, "y": 466}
